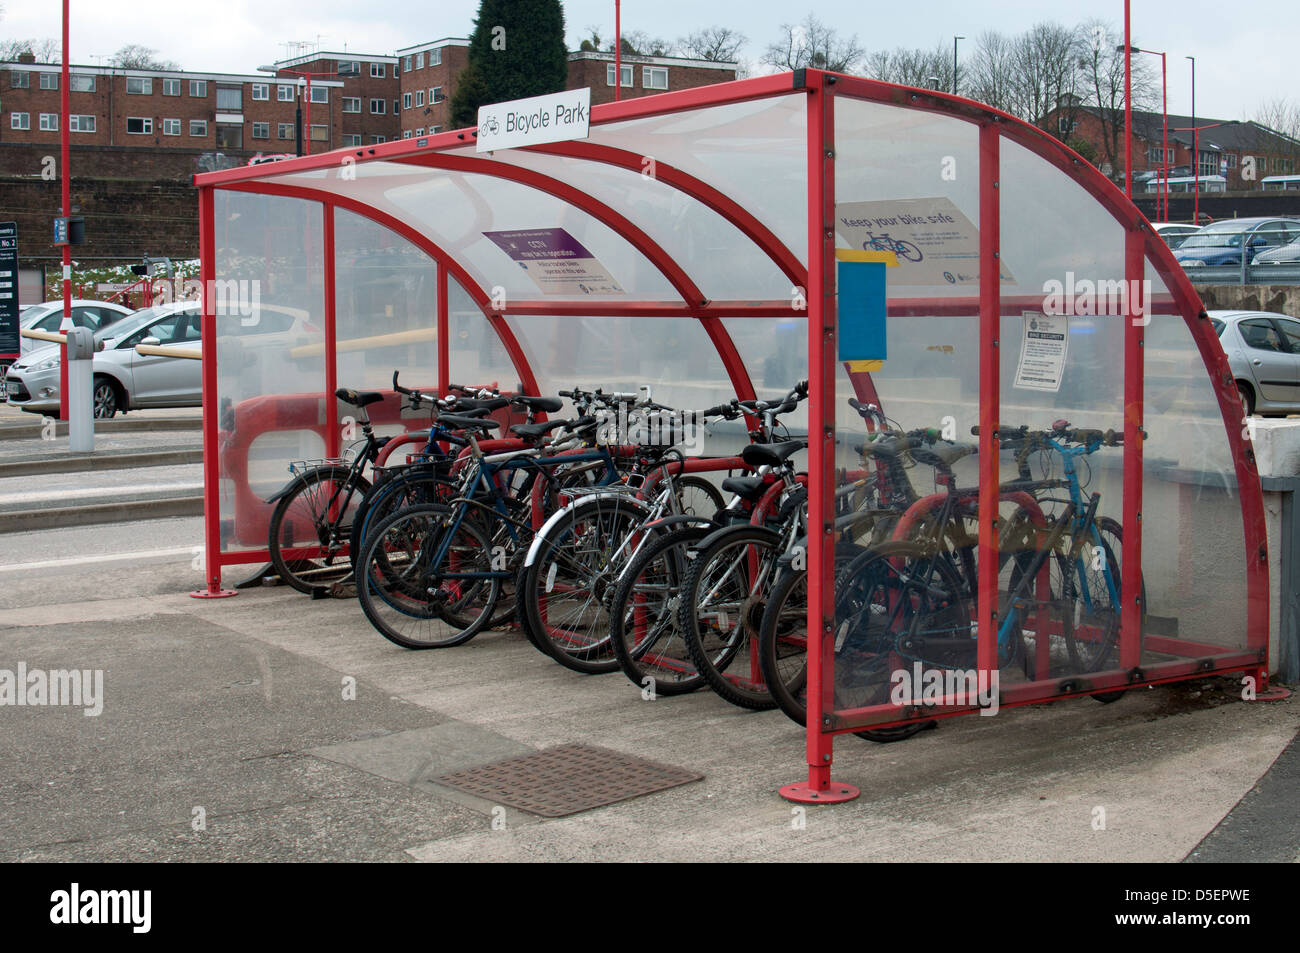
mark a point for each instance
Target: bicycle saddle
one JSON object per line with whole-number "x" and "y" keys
{"x": 547, "y": 405}
{"x": 459, "y": 422}
{"x": 749, "y": 488}
{"x": 533, "y": 431}
{"x": 487, "y": 404}
{"x": 358, "y": 398}
{"x": 944, "y": 455}
{"x": 771, "y": 454}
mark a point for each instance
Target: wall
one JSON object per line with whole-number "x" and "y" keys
{"x": 1283, "y": 299}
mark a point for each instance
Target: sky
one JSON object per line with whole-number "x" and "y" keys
{"x": 1241, "y": 60}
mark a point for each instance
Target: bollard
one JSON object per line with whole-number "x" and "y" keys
{"x": 81, "y": 399}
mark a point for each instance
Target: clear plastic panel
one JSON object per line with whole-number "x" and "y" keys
{"x": 475, "y": 352}
{"x": 270, "y": 353}
{"x": 386, "y": 307}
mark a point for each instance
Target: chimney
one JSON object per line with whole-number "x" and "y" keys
{"x": 26, "y": 56}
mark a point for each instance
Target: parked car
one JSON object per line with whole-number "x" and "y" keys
{"x": 1175, "y": 233}
{"x": 1286, "y": 253}
{"x": 48, "y": 316}
{"x": 1263, "y": 351}
{"x": 1221, "y": 242}
{"x": 126, "y": 380}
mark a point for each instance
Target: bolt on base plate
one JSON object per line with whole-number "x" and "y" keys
{"x": 213, "y": 593}
{"x": 804, "y": 793}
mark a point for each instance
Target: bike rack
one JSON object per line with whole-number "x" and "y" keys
{"x": 382, "y": 244}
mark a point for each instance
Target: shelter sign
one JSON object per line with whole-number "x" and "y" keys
{"x": 935, "y": 242}
{"x": 9, "y": 344}
{"x": 1043, "y": 346}
{"x": 555, "y": 117}
{"x": 861, "y": 307}
{"x": 556, "y": 262}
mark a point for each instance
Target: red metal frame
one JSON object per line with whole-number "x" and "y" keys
{"x": 451, "y": 151}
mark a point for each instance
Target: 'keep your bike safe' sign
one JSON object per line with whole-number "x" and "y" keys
{"x": 527, "y": 122}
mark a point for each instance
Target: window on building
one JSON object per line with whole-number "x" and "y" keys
{"x": 1284, "y": 166}
{"x": 419, "y": 98}
{"x": 320, "y": 133}
{"x": 406, "y": 100}
{"x": 1066, "y": 126}
{"x": 375, "y": 140}
{"x": 419, "y": 131}
{"x": 1231, "y": 159}
{"x": 1155, "y": 155}
{"x": 320, "y": 94}
{"x": 406, "y": 64}
{"x": 171, "y": 87}
{"x": 376, "y": 70}
{"x": 261, "y": 92}
{"x": 285, "y": 130}
{"x": 284, "y": 93}
{"x": 261, "y": 130}
{"x": 49, "y": 122}
{"x": 49, "y": 81}
{"x": 20, "y": 80}
{"x": 352, "y": 104}
{"x": 171, "y": 127}
{"x": 351, "y": 140}
{"x": 139, "y": 126}
{"x": 1209, "y": 163}
{"x": 20, "y": 121}
{"x": 435, "y": 57}
{"x": 654, "y": 77}
{"x": 349, "y": 66}
{"x": 229, "y": 136}
{"x": 377, "y": 107}
{"x": 230, "y": 99}
{"x": 434, "y": 130}
{"x": 406, "y": 134}
{"x": 419, "y": 61}
{"x": 199, "y": 88}
{"x": 81, "y": 123}
{"x": 79, "y": 83}
{"x": 609, "y": 75}
{"x": 198, "y": 128}
{"x": 396, "y": 110}
{"x": 139, "y": 85}
{"x": 435, "y": 95}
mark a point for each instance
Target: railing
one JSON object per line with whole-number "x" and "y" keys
{"x": 1273, "y": 273}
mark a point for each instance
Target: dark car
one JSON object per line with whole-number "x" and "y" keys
{"x": 1221, "y": 242}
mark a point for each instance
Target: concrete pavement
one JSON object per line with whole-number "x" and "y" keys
{"x": 237, "y": 707}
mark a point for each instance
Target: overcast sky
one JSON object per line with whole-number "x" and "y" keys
{"x": 1242, "y": 59}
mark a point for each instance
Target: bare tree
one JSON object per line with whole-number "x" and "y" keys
{"x": 812, "y": 44}
{"x": 1101, "y": 85}
{"x": 1280, "y": 132}
{"x": 988, "y": 76}
{"x": 928, "y": 69}
{"x": 44, "y": 51}
{"x": 1045, "y": 72}
{"x": 137, "y": 56}
{"x": 717, "y": 44}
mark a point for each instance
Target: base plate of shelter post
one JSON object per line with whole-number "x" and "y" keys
{"x": 213, "y": 593}
{"x": 835, "y": 792}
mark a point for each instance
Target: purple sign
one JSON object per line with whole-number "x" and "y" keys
{"x": 556, "y": 261}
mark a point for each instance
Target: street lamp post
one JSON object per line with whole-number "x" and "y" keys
{"x": 618, "y": 49}
{"x": 1196, "y": 151}
{"x": 954, "y": 63}
{"x": 304, "y": 92}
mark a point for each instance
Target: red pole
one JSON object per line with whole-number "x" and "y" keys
{"x": 618, "y": 49}
{"x": 1130, "y": 556}
{"x": 331, "y": 326}
{"x": 1164, "y": 137}
{"x": 66, "y": 324}
{"x": 1128, "y": 105}
{"x": 818, "y": 789}
{"x": 990, "y": 273}
{"x": 306, "y": 118}
{"x": 444, "y": 331}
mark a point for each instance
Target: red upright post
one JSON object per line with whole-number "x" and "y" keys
{"x": 990, "y": 361}
{"x": 211, "y": 423}
{"x": 618, "y": 49}
{"x": 444, "y": 326}
{"x": 1128, "y": 104}
{"x": 1164, "y": 135}
{"x": 819, "y": 789}
{"x": 306, "y": 118}
{"x": 1131, "y": 608}
{"x": 65, "y": 125}
{"x": 331, "y": 346}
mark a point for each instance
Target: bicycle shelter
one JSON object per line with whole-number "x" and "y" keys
{"x": 691, "y": 244}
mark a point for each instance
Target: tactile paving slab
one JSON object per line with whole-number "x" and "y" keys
{"x": 567, "y": 779}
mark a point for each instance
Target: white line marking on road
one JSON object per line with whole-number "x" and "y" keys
{"x": 107, "y": 558}
{"x": 95, "y": 492}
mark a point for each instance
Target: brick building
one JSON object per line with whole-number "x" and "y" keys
{"x": 643, "y": 75}
{"x": 428, "y": 80}
{"x": 367, "y": 100}
{"x": 1244, "y": 153}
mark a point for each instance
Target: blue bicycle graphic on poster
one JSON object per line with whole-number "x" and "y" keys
{"x": 882, "y": 242}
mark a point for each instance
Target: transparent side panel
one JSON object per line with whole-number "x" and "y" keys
{"x": 386, "y": 307}
{"x": 270, "y": 353}
{"x": 476, "y": 354}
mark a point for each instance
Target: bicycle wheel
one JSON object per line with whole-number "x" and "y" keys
{"x": 698, "y": 497}
{"x": 1110, "y": 531}
{"x": 569, "y": 586}
{"x": 397, "y": 489}
{"x": 311, "y": 526}
{"x": 413, "y": 598}
{"x": 645, "y": 626}
{"x": 721, "y": 608}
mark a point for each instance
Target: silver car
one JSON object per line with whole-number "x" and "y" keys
{"x": 48, "y": 316}
{"x": 1263, "y": 351}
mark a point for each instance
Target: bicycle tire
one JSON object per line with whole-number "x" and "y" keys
{"x": 304, "y": 506}
{"x": 657, "y": 651}
{"x": 697, "y": 496}
{"x": 390, "y": 589}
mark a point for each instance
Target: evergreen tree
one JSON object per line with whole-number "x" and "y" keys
{"x": 516, "y": 50}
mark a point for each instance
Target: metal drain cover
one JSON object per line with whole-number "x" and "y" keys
{"x": 568, "y": 779}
